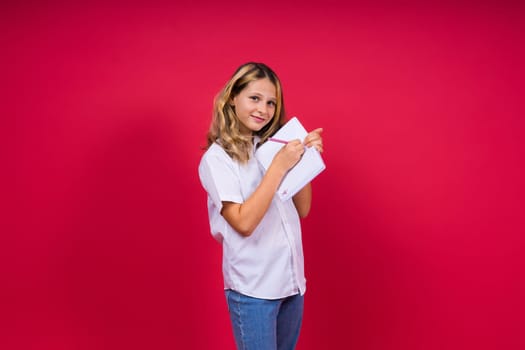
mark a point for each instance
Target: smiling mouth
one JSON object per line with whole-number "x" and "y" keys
{"x": 258, "y": 119}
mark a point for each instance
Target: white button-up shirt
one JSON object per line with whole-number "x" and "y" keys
{"x": 268, "y": 264}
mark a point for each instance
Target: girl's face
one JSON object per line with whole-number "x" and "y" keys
{"x": 255, "y": 105}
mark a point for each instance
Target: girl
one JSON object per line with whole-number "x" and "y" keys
{"x": 261, "y": 235}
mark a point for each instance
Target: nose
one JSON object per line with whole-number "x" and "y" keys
{"x": 262, "y": 108}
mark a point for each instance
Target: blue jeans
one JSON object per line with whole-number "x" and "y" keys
{"x": 260, "y": 324}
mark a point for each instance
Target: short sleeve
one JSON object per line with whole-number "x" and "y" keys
{"x": 219, "y": 177}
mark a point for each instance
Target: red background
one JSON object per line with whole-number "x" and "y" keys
{"x": 415, "y": 236}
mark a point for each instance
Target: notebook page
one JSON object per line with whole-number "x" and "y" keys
{"x": 310, "y": 165}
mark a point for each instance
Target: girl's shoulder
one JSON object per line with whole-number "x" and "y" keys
{"x": 216, "y": 161}
{"x": 215, "y": 151}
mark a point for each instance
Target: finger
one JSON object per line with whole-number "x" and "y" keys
{"x": 313, "y": 136}
{"x": 295, "y": 146}
{"x": 294, "y": 142}
{"x": 313, "y": 142}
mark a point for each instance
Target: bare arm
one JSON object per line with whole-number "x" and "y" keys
{"x": 303, "y": 200}
{"x": 244, "y": 217}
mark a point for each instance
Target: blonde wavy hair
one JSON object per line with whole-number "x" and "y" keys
{"x": 225, "y": 125}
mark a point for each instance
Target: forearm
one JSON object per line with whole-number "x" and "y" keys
{"x": 245, "y": 217}
{"x": 303, "y": 200}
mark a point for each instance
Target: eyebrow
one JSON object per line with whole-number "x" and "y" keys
{"x": 259, "y": 94}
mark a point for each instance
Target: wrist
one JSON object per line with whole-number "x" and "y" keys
{"x": 277, "y": 170}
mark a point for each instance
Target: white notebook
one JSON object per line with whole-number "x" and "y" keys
{"x": 310, "y": 165}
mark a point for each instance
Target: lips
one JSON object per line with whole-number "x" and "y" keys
{"x": 258, "y": 119}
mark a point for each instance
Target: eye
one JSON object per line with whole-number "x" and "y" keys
{"x": 254, "y": 98}
{"x": 272, "y": 103}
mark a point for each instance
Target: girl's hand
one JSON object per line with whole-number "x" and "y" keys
{"x": 314, "y": 139}
{"x": 289, "y": 155}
